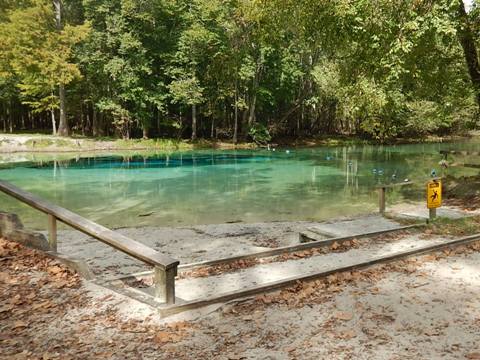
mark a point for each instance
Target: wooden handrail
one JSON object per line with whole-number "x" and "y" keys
{"x": 165, "y": 266}
{"x": 382, "y": 191}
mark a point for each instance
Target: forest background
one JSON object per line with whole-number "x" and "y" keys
{"x": 239, "y": 69}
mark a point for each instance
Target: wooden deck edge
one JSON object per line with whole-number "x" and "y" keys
{"x": 321, "y": 233}
{"x": 312, "y": 243}
{"x": 77, "y": 265}
{"x": 272, "y": 286}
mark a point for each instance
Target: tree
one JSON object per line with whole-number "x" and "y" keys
{"x": 376, "y": 69}
{"x": 38, "y": 55}
{"x": 467, "y": 41}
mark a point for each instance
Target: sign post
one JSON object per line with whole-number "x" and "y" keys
{"x": 434, "y": 197}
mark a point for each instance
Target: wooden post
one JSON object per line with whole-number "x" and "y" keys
{"x": 432, "y": 214}
{"x": 164, "y": 282}
{"x": 52, "y": 232}
{"x": 381, "y": 200}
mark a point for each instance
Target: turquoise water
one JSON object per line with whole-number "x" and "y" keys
{"x": 225, "y": 186}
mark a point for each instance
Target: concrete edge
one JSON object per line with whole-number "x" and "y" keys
{"x": 11, "y": 228}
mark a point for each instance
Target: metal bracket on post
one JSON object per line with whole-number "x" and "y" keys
{"x": 164, "y": 282}
{"x": 52, "y": 232}
{"x": 381, "y": 200}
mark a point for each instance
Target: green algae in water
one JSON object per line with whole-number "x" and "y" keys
{"x": 205, "y": 187}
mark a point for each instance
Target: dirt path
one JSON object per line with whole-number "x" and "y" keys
{"x": 426, "y": 308}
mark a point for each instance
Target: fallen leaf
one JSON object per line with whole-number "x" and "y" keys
{"x": 162, "y": 337}
{"x": 54, "y": 269}
{"x": 19, "y": 324}
{"x": 342, "y": 315}
{"x": 348, "y": 334}
{"x": 6, "y": 308}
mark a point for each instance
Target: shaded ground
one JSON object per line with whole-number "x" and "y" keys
{"x": 425, "y": 308}
{"x": 187, "y": 244}
{"x": 463, "y": 191}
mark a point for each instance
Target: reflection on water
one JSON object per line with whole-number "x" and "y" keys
{"x": 221, "y": 186}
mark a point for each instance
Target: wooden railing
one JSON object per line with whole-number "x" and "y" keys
{"x": 165, "y": 268}
{"x": 382, "y": 189}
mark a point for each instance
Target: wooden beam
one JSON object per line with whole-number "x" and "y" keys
{"x": 381, "y": 200}
{"x": 272, "y": 286}
{"x": 52, "y": 232}
{"x": 164, "y": 283}
{"x": 406, "y": 183}
{"x": 293, "y": 248}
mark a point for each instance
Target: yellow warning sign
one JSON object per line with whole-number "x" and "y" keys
{"x": 434, "y": 194}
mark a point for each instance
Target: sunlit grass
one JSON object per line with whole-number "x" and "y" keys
{"x": 455, "y": 227}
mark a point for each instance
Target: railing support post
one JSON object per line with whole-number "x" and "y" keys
{"x": 52, "y": 232}
{"x": 164, "y": 282}
{"x": 381, "y": 200}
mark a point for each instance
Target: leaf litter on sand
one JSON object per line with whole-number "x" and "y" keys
{"x": 31, "y": 304}
{"x": 36, "y": 292}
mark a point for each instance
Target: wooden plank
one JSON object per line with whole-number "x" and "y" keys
{"x": 405, "y": 183}
{"x": 272, "y": 286}
{"x": 309, "y": 236}
{"x": 164, "y": 282}
{"x": 292, "y": 248}
{"x": 323, "y": 233}
{"x": 381, "y": 200}
{"x": 77, "y": 265}
{"x": 388, "y": 186}
{"x": 116, "y": 240}
{"x": 52, "y": 232}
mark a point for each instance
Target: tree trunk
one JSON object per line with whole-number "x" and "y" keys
{"x": 4, "y": 118}
{"x": 251, "y": 117}
{"x": 88, "y": 124}
{"x": 54, "y": 123}
{"x": 469, "y": 48}
{"x": 63, "y": 129}
{"x": 235, "y": 126}
{"x": 194, "y": 122}
{"x": 244, "y": 120}
{"x": 94, "y": 123}
{"x": 10, "y": 117}
{"x": 145, "y": 131}
{"x": 82, "y": 118}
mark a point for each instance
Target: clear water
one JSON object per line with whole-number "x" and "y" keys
{"x": 215, "y": 186}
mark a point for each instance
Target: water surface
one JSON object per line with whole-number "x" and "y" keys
{"x": 205, "y": 187}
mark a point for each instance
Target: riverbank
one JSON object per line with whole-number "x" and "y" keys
{"x": 40, "y": 143}
{"x": 37, "y": 143}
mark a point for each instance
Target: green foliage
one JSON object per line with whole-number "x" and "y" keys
{"x": 260, "y": 134}
{"x": 38, "y": 56}
{"x": 378, "y": 69}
